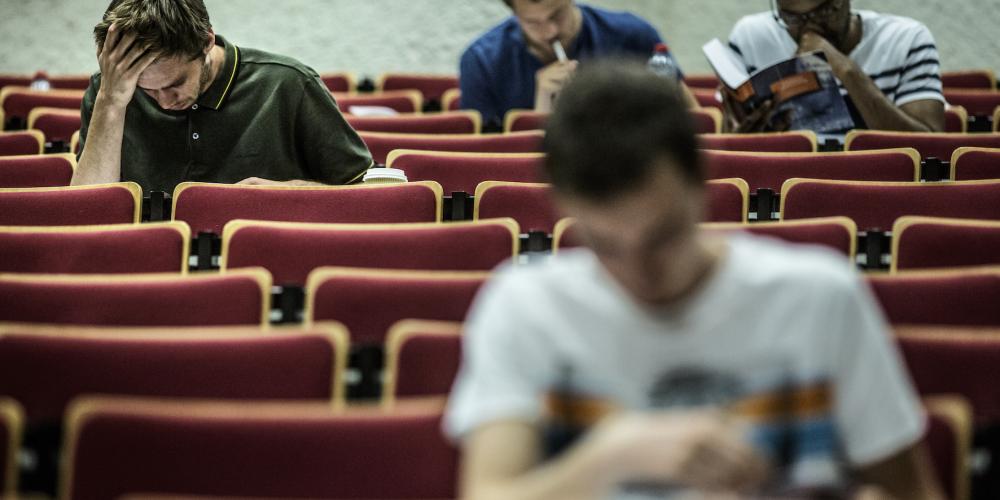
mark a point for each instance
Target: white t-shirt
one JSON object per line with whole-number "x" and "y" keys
{"x": 897, "y": 53}
{"x": 771, "y": 316}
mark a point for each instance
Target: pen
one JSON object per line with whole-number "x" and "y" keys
{"x": 560, "y": 52}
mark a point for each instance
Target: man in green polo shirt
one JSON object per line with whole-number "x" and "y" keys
{"x": 207, "y": 110}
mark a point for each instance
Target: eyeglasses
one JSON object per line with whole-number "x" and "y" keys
{"x": 820, "y": 14}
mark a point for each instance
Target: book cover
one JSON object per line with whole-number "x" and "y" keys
{"x": 803, "y": 88}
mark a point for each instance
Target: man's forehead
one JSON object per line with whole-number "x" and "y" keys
{"x": 163, "y": 72}
{"x": 800, "y": 5}
{"x": 542, "y": 9}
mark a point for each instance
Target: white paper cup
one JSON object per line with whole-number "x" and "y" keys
{"x": 384, "y": 176}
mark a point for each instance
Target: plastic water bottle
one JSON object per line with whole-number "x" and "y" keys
{"x": 662, "y": 64}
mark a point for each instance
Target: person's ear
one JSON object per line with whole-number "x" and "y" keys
{"x": 211, "y": 41}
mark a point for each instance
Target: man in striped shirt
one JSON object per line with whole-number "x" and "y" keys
{"x": 887, "y": 65}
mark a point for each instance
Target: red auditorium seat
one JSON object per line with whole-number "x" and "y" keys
{"x": 45, "y": 368}
{"x": 21, "y": 142}
{"x": 95, "y": 249}
{"x": 117, "y": 203}
{"x": 976, "y": 102}
{"x": 706, "y": 98}
{"x": 728, "y": 200}
{"x": 351, "y": 296}
{"x": 937, "y": 144}
{"x": 431, "y": 87}
{"x": 291, "y": 250}
{"x": 955, "y": 360}
{"x": 929, "y": 242}
{"x": 451, "y": 100}
{"x": 422, "y": 358}
{"x": 702, "y": 81}
{"x": 948, "y": 438}
{"x": 969, "y": 164}
{"x": 771, "y": 170}
{"x": 240, "y": 297}
{"x": 838, "y": 233}
{"x": 563, "y": 235}
{"x": 877, "y": 205}
{"x": 800, "y": 141}
{"x": 707, "y": 120}
{"x": 969, "y": 79}
{"x": 56, "y": 124}
{"x": 452, "y": 122}
{"x": 208, "y": 207}
{"x": 343, "y": 82}
{"x": 69, "y": 82}
{"x": 956, "y": 120}
{"x": 520, "y": 120}
{"x": 529, "y": 204}
{"x": 8, "y": 80}
{"x": 381, "y": 144}
{"x": 36, "y": 170}
{"x": 17, "y": 102}
{"x": 11, "y": 428}
{"x": 942, "y": 297}
{"x": 457, "y": 171}
{"x": 259, "y": 450}
{"x": 400, "y": 101}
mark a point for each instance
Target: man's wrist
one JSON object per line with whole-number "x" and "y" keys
{"x": 109, "y": 103}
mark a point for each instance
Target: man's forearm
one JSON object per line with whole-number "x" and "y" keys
{"x": 578, "y": 474}
{"x": 877, "y": 110}
{"x": 100, "y": 161}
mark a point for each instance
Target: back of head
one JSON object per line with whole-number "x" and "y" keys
{"x": 611, "y": 123}
{"x": 171, "y": 27}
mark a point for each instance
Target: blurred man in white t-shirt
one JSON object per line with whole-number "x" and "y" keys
{"x": 662, "y": 361}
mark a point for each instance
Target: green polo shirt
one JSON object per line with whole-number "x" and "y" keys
{"x": 264, "y": 116}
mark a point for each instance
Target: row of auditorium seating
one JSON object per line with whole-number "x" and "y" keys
{"x": 916, "y": 242}
{"x": 953, "y": 296}
{"x": 72, "y": 363}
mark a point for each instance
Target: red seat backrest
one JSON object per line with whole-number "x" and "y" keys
{"x": 290, "y": 251}
{"x": 530, "y": 204}
{"x": 381, "y": 144}
{"x": 788, "y": 142}
{"x": 940, "y": 298}
{"x": 208, "y": 207}
{"x": 241, "y": 298}
{"x": 118, "y": 203}
{"x": 464, "y": 171}
{"x": 110, "y": 249}
{"x": 938, "y": 145}
{"x": 877, "y": 205}
{"x": 771, "y": 170}
{"x": 46, "y": 369}
{"x": 349, "y": 296}
{"x": 36, "y": 170}
{"x": 247, "y": 450}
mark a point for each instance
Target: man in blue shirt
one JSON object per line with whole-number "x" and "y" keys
{"x": 514, "y": 65}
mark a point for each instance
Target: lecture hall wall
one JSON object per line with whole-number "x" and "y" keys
{"x": 374, "y": 36}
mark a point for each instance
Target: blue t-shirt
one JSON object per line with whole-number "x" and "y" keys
{"x": 497, "y": 72}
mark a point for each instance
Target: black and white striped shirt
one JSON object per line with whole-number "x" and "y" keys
{"x": 897, "y": 53}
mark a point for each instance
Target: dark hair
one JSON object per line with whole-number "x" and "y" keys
{"x": 510, "y": 3}
{"x": 611, "y": 124}
{"x": 171, "y": 27}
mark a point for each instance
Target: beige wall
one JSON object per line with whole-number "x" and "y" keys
{"x": 373, "y": 36}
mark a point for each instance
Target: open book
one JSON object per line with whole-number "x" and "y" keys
{"x": 803, "y": 88}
